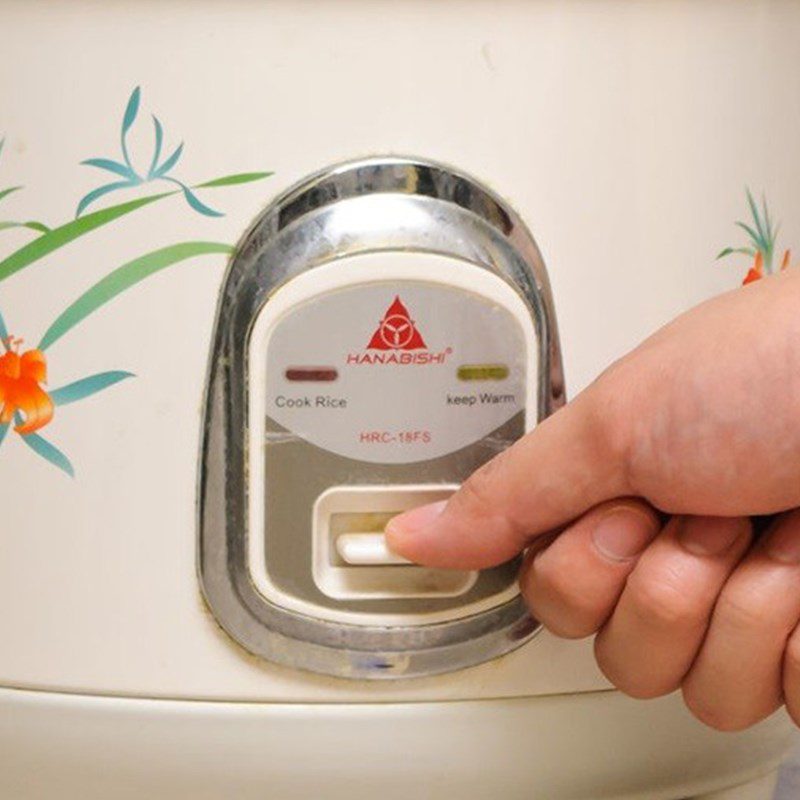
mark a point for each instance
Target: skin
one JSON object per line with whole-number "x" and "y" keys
{"x": 638, "y": 530}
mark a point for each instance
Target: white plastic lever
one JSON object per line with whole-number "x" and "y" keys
{"x": 366, "y": 549}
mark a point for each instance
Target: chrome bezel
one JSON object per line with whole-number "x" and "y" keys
{"x": 455, "y": 217}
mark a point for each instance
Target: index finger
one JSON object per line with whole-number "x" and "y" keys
{"x": 568, "y": 464}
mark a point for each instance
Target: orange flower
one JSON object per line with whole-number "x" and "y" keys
{"x": 20, "y": 376}
{"x": 756, "y": 271}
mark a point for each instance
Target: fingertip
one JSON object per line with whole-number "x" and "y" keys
{"x": 404, "y": 531}
{"x": 439, "y": 535}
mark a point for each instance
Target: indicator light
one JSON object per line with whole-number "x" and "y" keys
{"x": 312, "y": 374}
{"x": 483, "y": 372}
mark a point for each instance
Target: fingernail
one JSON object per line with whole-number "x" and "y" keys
{"x": 623, "y": 533}
{"x": 783, "y": 544}
{"x": 414, "y": 520}
{"x": 710, "y": 536}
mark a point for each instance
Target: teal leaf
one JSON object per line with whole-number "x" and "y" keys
{"x": 762, "y": 234}
{"x": 3, "y": 432}
{"x": 164, "y": 169}
{"x": 131, "y": 110}
{"x": 232, "y": 180}
{"x": 46, "y": 450}
{"x": 2, "y": 144}
{"x": 194, "y": 201}
{"x": 772, "y": 230}
{"x": 3, "y": 329}
{"x": 767, "y": 220}
{"x": 111, "y": 166}
{"x": 6, "y": 192}
{"x": 122, "y": 278}
{"x": 64, "y": 234}
{"x": 128, "y": 119}
{"x": 96, "y": 194}
{"x": 157, "y": 150}
{"x": 86, "y": 387}
{"x": 756, "y": 238}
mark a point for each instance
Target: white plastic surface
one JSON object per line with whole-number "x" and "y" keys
{"x": 367, "y": 550}
{"x": 616, "y": 129}
{"x": 762, "y": 788}
{"x": 597, "y": 746}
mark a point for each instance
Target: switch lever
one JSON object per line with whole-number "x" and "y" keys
{"x": 366, "y": 549}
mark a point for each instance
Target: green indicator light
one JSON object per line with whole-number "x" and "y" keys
{"x": 482, "y": 372}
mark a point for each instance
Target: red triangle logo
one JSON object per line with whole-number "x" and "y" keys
{"x": 396, "y": 331}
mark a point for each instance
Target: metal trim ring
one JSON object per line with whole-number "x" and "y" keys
{"x": 453, "y": 216}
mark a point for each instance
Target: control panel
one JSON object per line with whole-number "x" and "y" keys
{"x": 385, "y": 328}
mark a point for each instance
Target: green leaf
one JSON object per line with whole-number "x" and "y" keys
{"x": 34, "y": 226}
{"x": 64, "y": 234}
{"x": 730, "y": 250}
{"x": 232, "y": 180}
{"x": 3, "y": 432}
{"x": 3, "y": 330}
{"x": 6, "y": 192}
{"x": 122, "y": 279}
{"x": 86, "y": 387}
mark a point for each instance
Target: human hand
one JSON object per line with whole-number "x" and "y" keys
{"x": 701, "y": 422}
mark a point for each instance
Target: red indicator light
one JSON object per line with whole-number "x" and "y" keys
{"x": 312, "y": 374}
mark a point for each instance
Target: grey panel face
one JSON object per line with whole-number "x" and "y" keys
{"x": 298, "y": 472}
{"x": 376, "y": 384}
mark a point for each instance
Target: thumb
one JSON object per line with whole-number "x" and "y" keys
{"x": 569, "y": 463}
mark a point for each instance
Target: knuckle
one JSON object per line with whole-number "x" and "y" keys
{"x": 612, "y": 414}
{"x": 710, "y": 714}
{"x": 557, "y": 602}
{"x": 628, "y": 676}
{"x": 474, "y": 497}
{"x": 635, "y": 685}
{"x": 731, "y": 714}
{"x": 743, "y": 611}
{"x": 663, "y": 603}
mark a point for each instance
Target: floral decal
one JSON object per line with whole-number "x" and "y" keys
{"x": 158, "y": 171}
{"x": 26, "y": 404}
{"x": 20, "y": 376}
{"x": 762, "y": 234}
